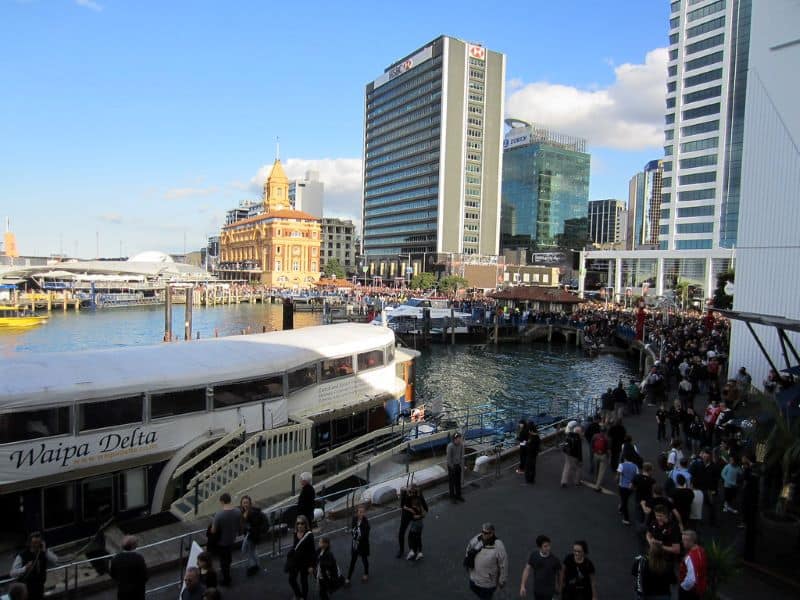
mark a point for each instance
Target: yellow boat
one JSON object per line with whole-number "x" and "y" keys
{"x": 16, "y": 317}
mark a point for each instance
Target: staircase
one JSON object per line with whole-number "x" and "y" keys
{"x": 261, "y": 455}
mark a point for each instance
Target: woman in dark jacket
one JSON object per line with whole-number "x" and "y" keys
{"x": 531, "y": 448}
{"x": 359, "y": 528}
{"x": 301, "y": 558}
{"x": 406, "y": 495}
{"x": 328, "y": 574}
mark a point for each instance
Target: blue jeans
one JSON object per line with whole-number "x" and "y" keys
{"x": 249, "y": 550}
{"x": 482, "y": 592}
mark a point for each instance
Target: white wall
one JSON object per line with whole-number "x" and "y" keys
{"x": 768, "y": 254}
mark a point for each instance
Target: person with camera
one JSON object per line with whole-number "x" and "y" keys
{"x": 487, "y": 563}
{"x": 30, "y": 566}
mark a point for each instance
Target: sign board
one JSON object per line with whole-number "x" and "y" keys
{"x": 406, "y": 65}
{"x": 476, "y": 52}
{"x": 516, "y": 138}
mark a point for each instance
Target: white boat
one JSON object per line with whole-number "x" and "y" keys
{"x": 410, "y": 319}
{"x": 122, "y": 432}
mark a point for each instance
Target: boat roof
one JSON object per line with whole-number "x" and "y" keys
{"x": 28, "y": 380}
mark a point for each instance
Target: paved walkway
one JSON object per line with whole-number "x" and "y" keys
{"x": 520, "y": 512}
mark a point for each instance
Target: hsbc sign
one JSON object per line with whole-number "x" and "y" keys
{"x": 406, "y": 65}
{"x": 477, "y": 52}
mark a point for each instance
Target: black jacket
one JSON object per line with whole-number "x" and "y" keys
{"x": 405, "y": 500}
{"x": 303, "y": 554}
{"x": 360, "y": 533}
{"x": 129, "y": 570}
{"x": 305, "y": 502}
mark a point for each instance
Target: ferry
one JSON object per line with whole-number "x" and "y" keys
{"x": 409, "y": 318}
{"x": 17, "y": 317}
{"x": 124, "y": 433}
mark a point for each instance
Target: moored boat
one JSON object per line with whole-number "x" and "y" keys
{"x": 18, "y": 317}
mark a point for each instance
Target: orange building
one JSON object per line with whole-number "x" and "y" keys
{"x": 280, "y": 248}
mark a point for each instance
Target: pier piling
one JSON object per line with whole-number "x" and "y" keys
{"x": 187, "y": 321}
{"x": 167, "y": 313}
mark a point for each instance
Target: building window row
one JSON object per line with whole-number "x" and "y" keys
{"x": 426, "y": 103}
{"x": 666, "y": 182}
{"x": 700, "y": 128}
{"x": 694, "y": 228}
{"x": 714, "y": 40}
{"x": 402, "y": 218}
{"x": 663, "y": 230}
{"x": 666, "y": 166}
{"x": 401, "y": 239}
{"x": 669, "y": 134}
{"x": 418, "y": 86}
{"x": 375, "y": 150}
{"x": 696, "y": 211}
{"x": 675, "y": 6}
{"x": 671, "y": 102}
{"x": 667, "y": 150}
{"x": 405, "y": 205}
{"x": 674, "y": 22}
{"x": 705, "y": 27}
{"x": 418, "y": 115}
{"x": 669, "y": 119}
{"x": 399, "y": 165}
{"x": 712, "y": 92}
{"x": 703, "y": 111}
{"x": 377, "y": 231}
{"x": 401, "y": 136}
{"x": 703, "y": 61}
{"x": 403, "y": 185}
{"x": 404, "y": 152}
{"x": 407, "y": 80}
{"x": 673, "y": 38}
{"x": 707, "y": 160}
{"x": 673, "y": 54}
{"x": 409, "y": 172}
{"x": 475, "y": 97}
{"x": 475, "y": 74}
{"x": 704, "y": 194}
{"x": 388, "y": 199}
{"x": 705, "y": 177}
{"x": 706, "y": 77}
{"x": 703, "y": 144}
{"x": 671, "y": 86}
{"x": 665, "y": 213}
{"x": 666, "y": 197}
{"x": 704, "y": 11}
{"x": 672, "y": 70}
{"x": 693, "y": 244}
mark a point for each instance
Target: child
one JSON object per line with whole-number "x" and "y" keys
{"x": 661, "y": 419}
{"x": 731, "y": 475}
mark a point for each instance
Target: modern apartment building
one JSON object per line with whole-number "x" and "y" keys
{"x": 545, "y": 191}
{"x": 645, "y": 196}
{"x": 605, "y": 221}
{"x": 339, "y": 241}
{"x": 307, "y": 194}
{"x": 709, "y": 42}
{"x": 432, "y": 156}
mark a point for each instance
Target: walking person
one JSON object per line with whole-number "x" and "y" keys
{"x": 693, "y": 572}
{"x": 600, "y": 448}
{"x": 30, "y": 566}
{"x": 305, "y": 501}
{"x": 731, "y": 477}
{"x": 546, "y": 570}
{"x": 301, "y": 558}
{"x": 329, "y": 577}
{"x": 252, "y": 526}
{"x": 661, "y": 421}
{"x": 522, "y": 440}
{"x": 455, "y": 466}
{"x": 193, "y": 589}
{"x": 129, "y": 570}
{"x": 578, "y": 574}
{"x": 573, "y": 449}
{"x": 652, "y": 574}
{"x": 417, "y": 509}
{"x": 487, "y": 563}
{"x": 532, "y": 448}
{"x": 626, "y": 472}
{"x": 616, "y": 435}
{"x": 359, "y": 530}
{"x": 406, "y": 494}
{"x": 225, "y": 527}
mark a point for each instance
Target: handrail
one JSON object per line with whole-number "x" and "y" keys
{"x": 208, "y": 451}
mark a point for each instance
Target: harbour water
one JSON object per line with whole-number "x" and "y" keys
{"x": 519, "y": 379}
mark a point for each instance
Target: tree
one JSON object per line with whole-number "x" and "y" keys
{"x": 453, "y": 283}
{"x": 423, "y": 281}
{"x": 721, "y": 299}
{"x": 334, "y": 268}
{"x": 681, "y": 290}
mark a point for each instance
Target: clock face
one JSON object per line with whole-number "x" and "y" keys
{"x": 296, "y": 251}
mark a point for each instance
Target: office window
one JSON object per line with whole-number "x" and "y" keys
{"x": 675, "y": 6}
{"x": 233, "y": 394}
{"x": 693, "y": 245}
{"x": 703, "y": 144}
{"x": 694, "y": 80}
{"x": 703, "y": 61}
{"x": 672, "y": 70}
{"x": 31, "y": 424}
{"x": 705, "y": 27}
{"x": 669, "y": 119}
{"x": 674, "y": 22}
{"x": 666, "y": 165}
{"x": 712, "y": 92}
{"x": 695, "y": 228}
{"x": 714, "y": 40}
{"x": 673, "y": 54}
{"x": 699, "y": 161}
{"x": 671, "y": 102}
{"x": 667, "y": 150}
{"x": 700, "y": 128}
{"x": 669, "y": 135}
{"x": 177, "y": 403}
{"x": 665, "y": 198}
{"x": 671, "y": 86}
{"x": 666, "y": 182}
{"x": 663, "y": 230}
{"x": 704, "y": 11}
{"x": 673, "y": 38}
{"x": 696, "y": 211}
{"x": 110, "y": 413}
{"x": 706, "y": 177}
{"x": 704, "y": 194}
{"x": 665, "y": 212}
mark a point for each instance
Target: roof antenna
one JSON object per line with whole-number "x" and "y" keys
{"x": 277, "y": 147}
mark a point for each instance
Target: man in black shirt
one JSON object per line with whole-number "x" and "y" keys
{"x": 643, "y": 488}
{"x": 616, "y": 433}
{"x": 305, "y": 501}
{"x": 664, "y": 532}
{"x": 129, "y": 570}
{"x": 683, "y": 497}
{"x": 705, "y": 477}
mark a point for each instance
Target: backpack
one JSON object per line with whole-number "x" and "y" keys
{"x": 599, "y": 443}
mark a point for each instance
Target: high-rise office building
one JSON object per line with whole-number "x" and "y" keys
{"x": 709, "y": 43}
{"x": 644, "y": 207}
{"x": 432, "y": 154}
{"x": 605, "y": 221}
{"x": 545, "y": 195}
{"x": 307, "y": 194}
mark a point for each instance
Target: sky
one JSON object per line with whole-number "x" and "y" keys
{"x": 135, "y": 125}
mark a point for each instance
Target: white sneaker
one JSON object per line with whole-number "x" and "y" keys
{"x": 419, "y": 556}
{"x": 411, "y": 555}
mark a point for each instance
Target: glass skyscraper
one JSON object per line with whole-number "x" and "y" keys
{"x": 644, "y": 207}
{"x": 432, "y": 151}
{"x": 545, "y": 192}
{"x": 709, "y": 43}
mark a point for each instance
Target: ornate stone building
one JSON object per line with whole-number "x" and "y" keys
{"x": 279, "y": 248}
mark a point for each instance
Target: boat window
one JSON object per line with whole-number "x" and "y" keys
{"x": 110, "y": 413}
{"x": 389, "y": 353}
{"x": 370, "y": 360}
{"x": 337, "y": 367}
{"x": 31, "y": 424}
{"x": 342, "y": 428}
{"x": 133, "y": 489}
{"x": 360, "y": 423}
{"x": 59, "y": 505}
{"x": 247, "y": 391}
{"x": 98, "y": 498}
{"x": 302, "y": 378}
{"x": 177, "y": 403}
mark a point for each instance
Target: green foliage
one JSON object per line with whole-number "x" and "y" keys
{"x": 423, "y": 281}
{"x": 333, "y": 267}
{"x": 453, "y": 283}
{"x": 682, "y": 292}
{"x": 781, "y": 439}
{"x": 721, "y": 299}
{"x": 722, "y": 565}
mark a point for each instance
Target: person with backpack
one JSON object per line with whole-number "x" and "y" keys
{"x": 252, "y": 526}
{"x": 359, "y": 529}
{"x": 329, "y": 577}
{"x": 486, "y": 561}
{"x": 600, "y": 447}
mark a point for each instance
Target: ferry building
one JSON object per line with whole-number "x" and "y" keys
{"x": 279, "y": 247}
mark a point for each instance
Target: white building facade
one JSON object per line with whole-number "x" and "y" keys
{"x": 338, "y": 241}
{"x": 768, "y": 252}
{"x": 308, "y": 194}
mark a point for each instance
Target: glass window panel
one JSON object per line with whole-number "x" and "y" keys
{"x": 302, "y": 377}
{"x": 234, "y": 394}
{"x": 110, "y": 413}
{"x": 98, "y": 498}
{"x": 337, "y": 367}
{"x": 177, "y": 403}
{"x": 134, "y": 489}
{"x": 370, "y": 360}
{"x": 59, "y": 505}
{"x": 31, "y": 424}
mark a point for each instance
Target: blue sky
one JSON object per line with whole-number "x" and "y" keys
{"x": 144, "y": 121}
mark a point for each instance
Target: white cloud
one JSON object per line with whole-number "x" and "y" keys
{"x": 90, "y": 4}
{"x": 188, "y": 192}
{"x": 626, "y": 115}
{"x": 114, "y": 218}
{"x": 341, "y": 176}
